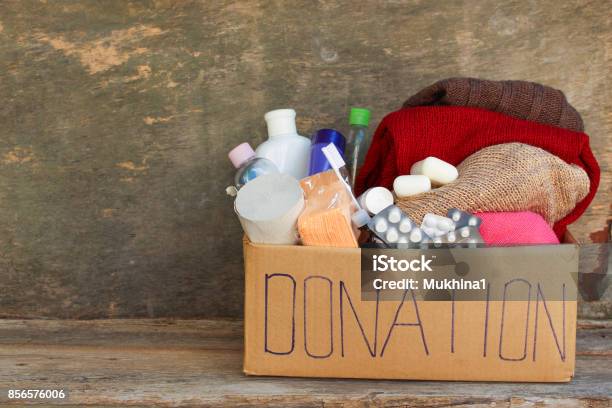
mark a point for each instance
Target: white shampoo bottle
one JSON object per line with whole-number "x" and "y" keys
{"x": 284, "y": 147}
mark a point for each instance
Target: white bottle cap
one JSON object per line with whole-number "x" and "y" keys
{"x": 231, "y": 191}
{"x": 280, "y": 122}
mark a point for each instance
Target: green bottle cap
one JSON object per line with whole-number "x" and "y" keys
{"x": 359, "y": 116}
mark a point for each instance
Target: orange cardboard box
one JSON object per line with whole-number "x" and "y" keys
{"x": 304, "y": 317}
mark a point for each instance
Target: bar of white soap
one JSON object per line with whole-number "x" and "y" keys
{"x": 438, "y": 171}
{"x": 405, "y": 186}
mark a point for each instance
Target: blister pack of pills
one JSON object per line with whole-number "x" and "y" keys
{"x": 394, "y": 227}
{"x": 469, "y": 237}
{"x": 463, "y": 219}
{"x": 463, "y": 237}
{"x": 459, "y": 229}
{"x": 437, "y": 225}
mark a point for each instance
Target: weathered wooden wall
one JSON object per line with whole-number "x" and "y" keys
{"x": 116, "y": 116}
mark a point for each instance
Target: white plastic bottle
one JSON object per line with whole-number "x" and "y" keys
{"x": 284, "y": 147}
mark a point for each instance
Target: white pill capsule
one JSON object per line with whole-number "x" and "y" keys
{"x": 392, "y": 235}
{"x": 446, "y": 225}
{"x": 416, "y": 235}
{"x": 430, "y": 231}
{"x": 438, "y": 171}
{"x": 438, "y": 222}
{"x": 456, "y": 216}
{"x": 405, "y": 226}
{"x": 405, "y": 186}
{"x": 451, "y": 237}
{"x": 465, "y": 232}
{"x": 395, "y": 215}
{"x": 381, "y": 225}
{"x": 375, "y": 199}
{"x": 471, "y": 243}
{"x": 429, "y": 220}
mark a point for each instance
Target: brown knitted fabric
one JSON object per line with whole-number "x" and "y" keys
{"x": 506, "y": 177}
{"x": 521, "y": 99}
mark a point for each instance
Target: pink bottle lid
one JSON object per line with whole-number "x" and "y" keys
{"x": 241, "y": 153}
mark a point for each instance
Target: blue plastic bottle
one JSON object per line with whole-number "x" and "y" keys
{"x": 320, "y": 139}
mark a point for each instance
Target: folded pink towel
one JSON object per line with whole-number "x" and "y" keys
{"x": 515, "y": 228}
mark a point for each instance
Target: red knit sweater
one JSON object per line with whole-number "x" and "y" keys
{"x": 452, "y": 133}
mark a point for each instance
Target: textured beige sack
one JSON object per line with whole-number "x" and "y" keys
{"x": 506, "y": 177}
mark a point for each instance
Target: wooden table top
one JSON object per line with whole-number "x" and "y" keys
{"x": 199, "y": 363}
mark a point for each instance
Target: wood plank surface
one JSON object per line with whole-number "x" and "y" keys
{"x": 199, "y": 363}
{"x": 117, "y": 115}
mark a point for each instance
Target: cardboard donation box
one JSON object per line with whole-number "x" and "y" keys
{"x": 307, "y": 315}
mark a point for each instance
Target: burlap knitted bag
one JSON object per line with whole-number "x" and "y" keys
{"x": 506, "y": 177}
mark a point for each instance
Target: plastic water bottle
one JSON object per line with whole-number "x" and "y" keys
{"x": 357, "y": 141}
{"x": 288, "y": 150}
{"x": 249, "y": 166}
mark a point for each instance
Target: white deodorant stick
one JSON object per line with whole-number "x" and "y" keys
{"x": 268, "y": 208}
{"x": 438, "y": 171}
{"x": 375, "y": 199}
{"x": 405, "y": 186}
